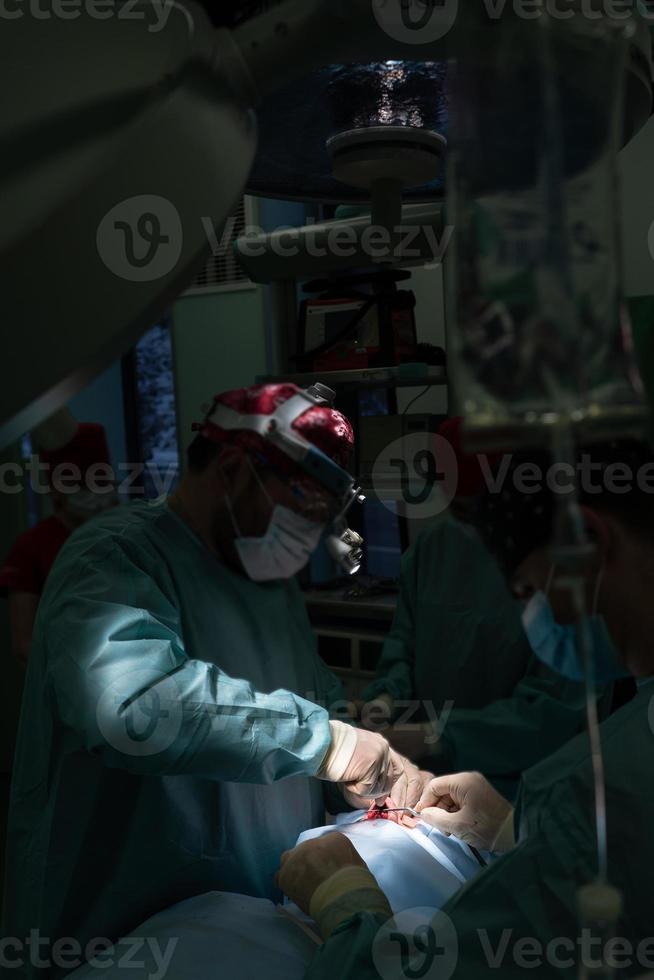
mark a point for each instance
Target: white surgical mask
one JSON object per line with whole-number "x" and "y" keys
{"x": 284, "y": 550}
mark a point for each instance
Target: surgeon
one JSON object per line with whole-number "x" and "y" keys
{"x": 176, "y": 709}
{"x": 457, "y": 658}
{"x": 521, "y": 917}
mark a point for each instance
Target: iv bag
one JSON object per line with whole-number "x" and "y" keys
{"x": 541, "y": 331}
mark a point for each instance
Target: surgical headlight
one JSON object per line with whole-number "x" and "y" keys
{"x": 346, "y": 547}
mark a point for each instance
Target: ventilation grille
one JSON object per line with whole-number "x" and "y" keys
{"x": 222, "y": 271}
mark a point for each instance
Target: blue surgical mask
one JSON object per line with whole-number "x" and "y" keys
{"x": 557, "y": 645}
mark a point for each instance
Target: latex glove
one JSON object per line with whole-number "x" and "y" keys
{"x": 406, "y": 790}
{"x": 466, "y": 806}
{"x": 363, "y": 761}
{"x": 413, "y": 741}
{"x": 410, "y": 787}
{"x": 376, "y": 715}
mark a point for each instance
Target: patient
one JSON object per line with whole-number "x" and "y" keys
{"x": 414, "y": 866}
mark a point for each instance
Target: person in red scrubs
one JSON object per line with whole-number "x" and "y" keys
{"x": 27, "y": 566}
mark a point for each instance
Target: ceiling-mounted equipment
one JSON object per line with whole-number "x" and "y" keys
{"x": 318, "y": 249}
{"x": 297, "y": 125}
{"x": 385, "y": 161}
{"x": 381, "y": 81}
{"x": 116, "y": 171}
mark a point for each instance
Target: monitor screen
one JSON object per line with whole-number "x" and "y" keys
{"x": 383, "y": 539}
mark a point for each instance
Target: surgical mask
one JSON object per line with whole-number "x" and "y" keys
{"x": 285, "y": 548}
{"x": 557, "y": 646}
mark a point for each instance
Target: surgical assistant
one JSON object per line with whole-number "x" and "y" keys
{"x": 457, "y": 645}
{"x": 529, "y": 899}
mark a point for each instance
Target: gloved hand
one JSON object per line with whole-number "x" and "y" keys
{"x": 410, "y": 787}
{"x": 363, "y": 761}
{"x": 406, "y": 790}
{"x": 466, "y": 806}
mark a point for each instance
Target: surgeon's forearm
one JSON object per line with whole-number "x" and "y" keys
{"x": 195, "y": 720}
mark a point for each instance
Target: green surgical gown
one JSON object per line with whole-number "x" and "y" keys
{"x": 457, "y": 637}
{"x": 169, "y": 732}
{"x": 521, "y": 912}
